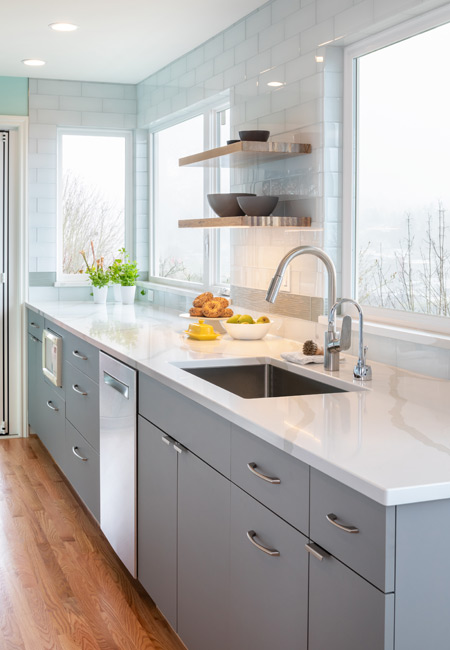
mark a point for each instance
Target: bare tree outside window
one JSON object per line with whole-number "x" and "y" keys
{"x": 93, "y": 197}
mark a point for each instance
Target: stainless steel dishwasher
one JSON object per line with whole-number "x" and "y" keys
{"x": 118, "y": 458}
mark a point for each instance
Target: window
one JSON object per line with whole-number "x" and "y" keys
{"x": 187, "y": 257}
{"x": 401, "y": 197}
{"x": 93, "y": 185}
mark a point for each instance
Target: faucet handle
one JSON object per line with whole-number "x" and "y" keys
{"x": 346, "y": 333}
{"x": 362, "y": 370}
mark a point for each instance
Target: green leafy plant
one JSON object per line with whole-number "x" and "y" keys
{"x": 114, "y": 271}
{"x": 125, "y": 269}
{"x": 98, "y": 275}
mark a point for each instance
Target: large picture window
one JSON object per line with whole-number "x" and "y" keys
{"x": 402, "y": 190}
{"x": 93, "y": 197}
{"x": 187, "y": 257}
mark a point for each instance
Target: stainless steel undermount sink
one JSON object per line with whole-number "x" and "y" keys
{"x": 262, "y": 380}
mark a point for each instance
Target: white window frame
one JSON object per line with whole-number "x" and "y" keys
{"x": 211, "y": 236}
{"x": 66, "y": 279}
{"x": 389, "y": 319}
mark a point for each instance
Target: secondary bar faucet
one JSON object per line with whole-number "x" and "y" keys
{"x": 361, "y": 370}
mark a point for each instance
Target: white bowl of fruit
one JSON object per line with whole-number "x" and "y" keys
{"x": 245, "y": 327}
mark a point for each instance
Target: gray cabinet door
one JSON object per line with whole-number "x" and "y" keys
{"x": 269, "y": 593}
{"x": 51, "y": 421}
{"x": 82, "y": 404}
{"x": 82, "y": 468}
{"x": 203, "y": 555}
{"x": 34, "y": 372}
{"x": 157, "y": 517}
{"x": 345, "y": 611}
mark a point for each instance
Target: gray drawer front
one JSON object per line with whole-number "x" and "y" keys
{"x": 82, "y": 355}
{"x": 290, "y": 498}
{"x": 204, "y": 433}
{"x": 82, "y": 410}
{"x": 269, "y": 595}
{"x": 84, "y": 475}
{"x": 51, "y": 421}
{"x": 345, "y": 611}
{"x": 370, "y": 552}
{"x": 35, "y": 324}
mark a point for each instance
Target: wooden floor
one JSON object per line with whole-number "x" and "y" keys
{"x": 61, "y": 586}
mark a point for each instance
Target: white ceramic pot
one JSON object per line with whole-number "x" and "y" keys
{"x": 128, "y": 294}
{"x": 100, "y": 294}
{"x": 117, "y": 292}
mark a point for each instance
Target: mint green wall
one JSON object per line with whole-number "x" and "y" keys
{"x": 13, "y": 96}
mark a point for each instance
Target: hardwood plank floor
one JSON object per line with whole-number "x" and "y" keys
{"x": 61, "y": 585}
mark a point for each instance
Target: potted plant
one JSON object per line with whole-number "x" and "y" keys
{"x": 128, "y": 275}
{"x": 98, "y": 275}
{"x": 114, "y": 275}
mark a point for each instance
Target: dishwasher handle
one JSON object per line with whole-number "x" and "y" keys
{"x": 117, "y": 385}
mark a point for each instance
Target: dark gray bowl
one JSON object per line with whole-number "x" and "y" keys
{"x": 226, "y": 205}
{"x": 258, "y": 206}
{"x": 254, "y": 136}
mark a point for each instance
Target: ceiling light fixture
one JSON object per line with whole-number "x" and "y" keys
{"x": 33, "y": 62}
{"x": 63, "y": 27}
{"x": 275, "y": 84}
{"x": 319, "y": 59}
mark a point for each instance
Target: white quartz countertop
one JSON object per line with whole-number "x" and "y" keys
{"x": 390, "y": 440}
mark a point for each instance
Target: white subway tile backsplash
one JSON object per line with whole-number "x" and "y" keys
{"x": 125, "y": 106}
{"x": 80, "y": 103}
{"x": 258, "y": 20}
{"x": 44, "y": 101}
{"x": 287, "y": 50}
{"x": 194, "y": 58}
{"x": 257, "y": 107}
{"x": 234, "y": 35}
{"x": 42, "y": 161}
{"x": 284, "y": 8}
{"x": 302, "y": 19}
{"x": 42, "y": 190}
{"x": 103, "y": 120}
{"x": 327, "y": 8}
{"x": 223, "y": 61}
{"x": 56, "y": 87}
{"x": 234, "y": 75}
{"x": 62, "y": 118}
{"x": 271, "y": 36}
{"x": 204, "y": 71}
{"x": 285, "y": 97}
{"x": 213, "y": 47}
{"x": 312, "y": 38}
{"x": 355, "y": 18}
{"x": 102, "y": 90}
{"x": 258, "y": 64}
{"x": 246, "y": 49}
{"x": 46, "y": 235}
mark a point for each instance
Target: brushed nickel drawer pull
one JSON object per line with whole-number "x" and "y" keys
{"x": 78, "y": 355}
{"x": 74, "y": 449}
{"x": 34, "y": 325}
{"x": 166, "y": 440}
{"x": 347, "y": 529}
{"x": 316, "y": 551}
{"x": 269, "y": 551}
{"x": 252, "y": 467}
{"x": 76, "y": 388}
{"x": 33, "y": 338}
{"x": 50, "y": 406}
{"x": 179, "y": 448}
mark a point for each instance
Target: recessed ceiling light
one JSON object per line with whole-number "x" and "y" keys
{"x": 63, "y": 27}
{"x": 275, "y": 84}
{"x": 34, "y": 62}
{"x": 319, "y": 59}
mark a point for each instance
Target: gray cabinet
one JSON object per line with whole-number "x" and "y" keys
{"x": 345, "y": 611}
{"x": 203, "y": 554}
{"x": 34, "y": 377}
{"x": 51, "y": 421}
{"x": 157, "y": 517}
{"x": 82, "y": 468}
{"x": 82, "y": 404}
{"x": 183, "y": 538}
{"x": 269, "y": 579}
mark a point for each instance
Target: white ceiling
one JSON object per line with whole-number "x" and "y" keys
{"x": 117, "y": 40}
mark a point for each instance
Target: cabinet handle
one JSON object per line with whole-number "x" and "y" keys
{"x": 50, "y": 406}
{"x": 33, "y": 338}
{"x": 76, "y": 388}
{"x": 78, "y": 355}
{"x": 74, "y": 449}
{"x": 316, "y": 551}
{"x": 269, "y": 551}
{"x": 347, "y": 529}
{"x": 166, "y": 440}
{"x": 270, "y": 479}
{"x": 179, "y": 448}
{"x": 34, "y": 325}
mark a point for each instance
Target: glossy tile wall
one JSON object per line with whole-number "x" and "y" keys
{"x": 54, "y": 104}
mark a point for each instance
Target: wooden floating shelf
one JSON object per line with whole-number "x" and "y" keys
{"x": 244, "y": 153}
{"x": 247, "y": 222}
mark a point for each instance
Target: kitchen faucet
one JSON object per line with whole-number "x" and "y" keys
{"x": 333, "y": 345}
{"x": 331, "y": 359}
